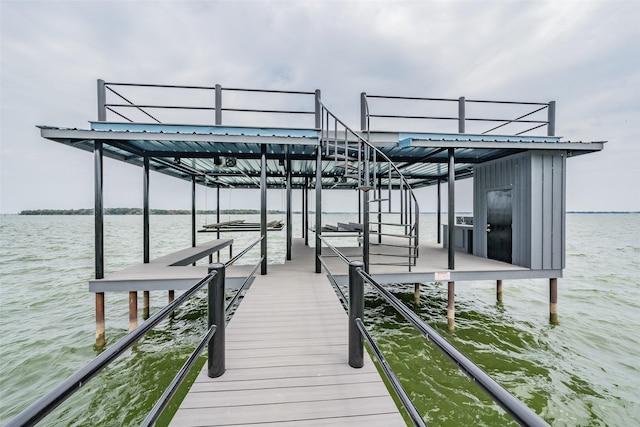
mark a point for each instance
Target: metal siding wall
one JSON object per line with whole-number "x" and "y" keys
{"x": 510, "y": 172}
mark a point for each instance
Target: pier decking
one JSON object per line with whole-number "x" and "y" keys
{"x": 287, "y": 360}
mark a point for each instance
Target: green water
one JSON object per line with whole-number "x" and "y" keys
{"x": 583, "y": 371}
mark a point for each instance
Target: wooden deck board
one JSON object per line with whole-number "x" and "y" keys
{"x": 287, "y": 361}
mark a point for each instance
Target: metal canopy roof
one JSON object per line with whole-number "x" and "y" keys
{"x": 230, "y": 156}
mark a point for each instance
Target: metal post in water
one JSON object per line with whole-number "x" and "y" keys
{"x": 553, "y": 300}
{"x": 133, "y": 310}
{"x": 451, "y": 306}
{"x": 99, "y": 238}
{"x": 499, "y": 290}
{"x": 356, "y": 311}
{"x": 216, "y": 316}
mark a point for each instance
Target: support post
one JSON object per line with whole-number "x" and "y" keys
{"x": 289, "y": 219}
{"x": 305, "y": 214}
{"x": 551, "y": 118}
{"x": 218, "y": 216}
{"x": 218, "y": 105}
{"x": 416, "y": 292}
{"x": 553, "y": 300}
{"x": 318, "y": 206}
{"x": 499, "y": 290}
{"x": 133, "y": 310}
{"x": 452, "y": 209}
{"x": 145, "y": 305}
{"x": 356, "y": 311}
{"x": 216, "y": 316}
{"x": 145, "y": 210}
{"x": 100, "y": 326}
{"x": 379, "y": 209}
{"x": 99, "y": 239}
{"x": 303, "y": 208}
{"x": 365, "y": 212}
{"x": 439, "y": 213}
{"x": 193, "y": 212}
{"x": 263, "y": 207}
{"x": 172, "y": 296}
{"x": 451, "y": 306}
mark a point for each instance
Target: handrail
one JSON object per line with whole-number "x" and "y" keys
{"x": 334, "y": 283}
{"x": 518, "y": 410}
{"x": 247, "y": 249}
{"x": 550, "y": 106}
{"x": 162, "y": 403}
{"x": 43, "y": 406}
{"x": 218, "y": 107}
{"x": 337, "y": 252}
{"x": 391, "y": 376}
{"x": 241, "y": 288}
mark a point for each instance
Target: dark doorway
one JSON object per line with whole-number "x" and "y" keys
{"x": 499, "y": 220}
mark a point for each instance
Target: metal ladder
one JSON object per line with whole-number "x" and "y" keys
{"x": 393, "y": 234}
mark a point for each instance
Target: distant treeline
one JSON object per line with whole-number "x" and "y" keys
{"x": 138, "y": 211}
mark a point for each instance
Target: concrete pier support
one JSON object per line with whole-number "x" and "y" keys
{"x": 451, "y": 306}
{"x": 416, "y": 292}
{"x": 100, "y": 334}
{"x": 145, "y": 305}
{"x": 499, "y": 290}
{"x": 553, "y": 300}
{"x": 133, "y": 310}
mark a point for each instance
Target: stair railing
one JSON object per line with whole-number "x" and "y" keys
{"x": 339, "y": 143}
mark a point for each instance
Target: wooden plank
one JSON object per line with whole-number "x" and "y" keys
{"x": 287, "y": 361}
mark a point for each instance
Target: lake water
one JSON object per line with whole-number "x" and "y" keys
{"x": 583, "y": 371}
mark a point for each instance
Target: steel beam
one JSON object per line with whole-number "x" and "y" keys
{"x": 439, "y": 214}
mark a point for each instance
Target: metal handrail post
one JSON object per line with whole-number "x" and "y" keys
{"x": 216, "y": 315}
{"x": 356, "y": 311}
{"x": 102, "y": 100}
{"x": 218, "y": 104}
{"x": 318, "y": 109}
{"x": 551, "y": 118}
{"x": 461, "y": 114}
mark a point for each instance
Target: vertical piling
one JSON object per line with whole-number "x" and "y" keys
{"x": 216, "y": 316}
{"x": 145, "y": 305}
{"x": 172, "y": 295}
{"x": 451, "y": 306}
{"x": 553, "y": 300}
{"x": 356, "y": 310}
{"x": 416, "y": 292}
{"x": 499, "y": 290}
{"x": 133, "y": 310}
{"x": 100, "y": 329}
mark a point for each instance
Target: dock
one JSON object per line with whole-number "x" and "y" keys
{"x": 287, "y": 360}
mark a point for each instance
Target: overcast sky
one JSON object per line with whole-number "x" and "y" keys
{"x": 585, "y": 55}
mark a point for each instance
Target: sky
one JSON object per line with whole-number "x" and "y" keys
{"x": 585, "y": 55}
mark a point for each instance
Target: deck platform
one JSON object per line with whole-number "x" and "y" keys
{"x": 287, "y": 360}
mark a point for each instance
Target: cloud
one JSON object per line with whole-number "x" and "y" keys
{"x": 584, "y": 55}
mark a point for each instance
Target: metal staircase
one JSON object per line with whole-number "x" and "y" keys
{"x": 390, "y": 214}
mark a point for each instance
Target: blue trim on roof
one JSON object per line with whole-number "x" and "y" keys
{"x": 203, "y": 130}
{"x": 405, "y": 139}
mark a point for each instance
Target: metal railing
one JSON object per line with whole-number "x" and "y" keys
{"x": 107, "y": 90}
{"x": 461, "y": 118}
{"x": 214, "y": 337}
{"x": 354, "y": 303}
{"x": 338, "y": 135}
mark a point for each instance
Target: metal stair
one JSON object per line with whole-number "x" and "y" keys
{"x": 392, "y": 235}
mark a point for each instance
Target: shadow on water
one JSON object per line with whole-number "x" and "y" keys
{"x": 521, "y": 356}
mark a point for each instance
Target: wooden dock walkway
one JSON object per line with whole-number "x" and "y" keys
{"x": 287, "y": 360}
